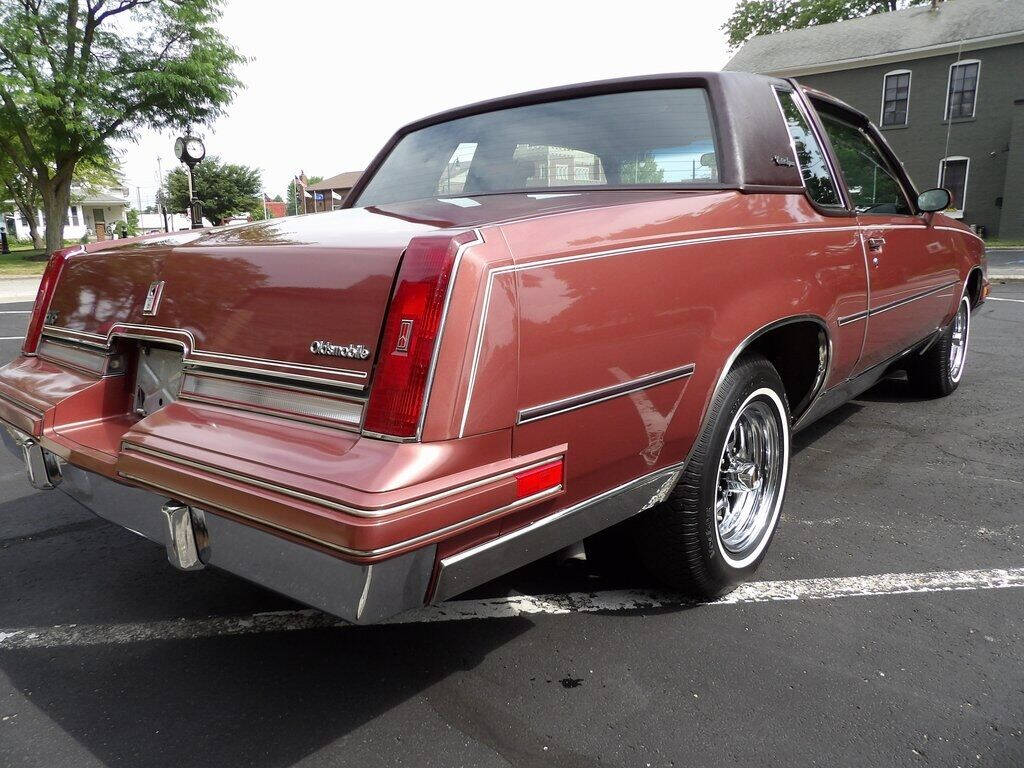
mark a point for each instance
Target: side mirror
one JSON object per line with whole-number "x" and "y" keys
{"x": 933, "y": 200}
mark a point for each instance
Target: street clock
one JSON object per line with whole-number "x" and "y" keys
{"x": 189, "y": 149}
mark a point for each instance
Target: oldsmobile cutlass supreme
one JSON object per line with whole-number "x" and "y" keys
{"x": 594, "y": 312}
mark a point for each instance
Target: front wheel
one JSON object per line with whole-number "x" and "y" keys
{"x": 938, "y": 371}
{"x": 712, "y": 532}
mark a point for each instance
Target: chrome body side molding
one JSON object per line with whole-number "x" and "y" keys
{"x": 894, "y": 304}
{"x": 831, "y": 399}
{"x": 600, "y": 395}
{"x": 477, "y": 565}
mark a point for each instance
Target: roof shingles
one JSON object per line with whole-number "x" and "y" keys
{"x": 920, "y": 29}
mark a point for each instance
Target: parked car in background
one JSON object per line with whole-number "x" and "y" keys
{"x": 537, "y": 318}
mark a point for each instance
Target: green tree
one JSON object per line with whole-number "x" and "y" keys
{"x": 90, "y": 176}
{"x": 644, "y": 170}
{"x": 76, "y": 75}
{"x": 295, "y": 203}
{"x": 132, "y": 220}
{"x": 763, "y": 17}
{"x": 225, "y": 189}
{"x": 16, "y": 186}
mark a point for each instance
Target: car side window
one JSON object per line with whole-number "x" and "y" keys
{"x": 813, "y": 167}
{"x": 870, "y": 180}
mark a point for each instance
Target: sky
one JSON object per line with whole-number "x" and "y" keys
{"x": 329, "y": 81}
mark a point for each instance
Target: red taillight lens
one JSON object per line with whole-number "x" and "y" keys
{"x": 399, "y": 389}
{"x": 43, "y": 297}
{"x": 533, "y": 481}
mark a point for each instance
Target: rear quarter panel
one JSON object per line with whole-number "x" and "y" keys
{"x": 610, "y": 295}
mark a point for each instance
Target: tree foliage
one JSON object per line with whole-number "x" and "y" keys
{"x": 225, "y": 189}
{"x": 295, "y": 202}
{"x": 16, "y": 186}
{"x": 763, "y": 17}
{"x": 643, "y": 171}
{"x": 76, "y": 75}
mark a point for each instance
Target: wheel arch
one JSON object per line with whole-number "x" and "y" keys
{"x": 973, "y": 286}
{"x": 800, "y": 348}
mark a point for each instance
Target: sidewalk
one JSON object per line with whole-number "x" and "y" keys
{"x": 1005, "y": 264}
{"x": 18, "y": 289}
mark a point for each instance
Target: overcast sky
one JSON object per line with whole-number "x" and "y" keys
{"x": 330, "y": 81}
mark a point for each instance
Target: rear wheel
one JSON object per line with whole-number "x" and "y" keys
{"x": 713, "y": 530}
{"x": 938, "y": 371}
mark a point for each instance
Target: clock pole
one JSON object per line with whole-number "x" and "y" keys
{"x": 191, "y": 151}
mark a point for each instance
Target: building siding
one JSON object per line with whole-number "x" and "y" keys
{"x": 990, "y": 139}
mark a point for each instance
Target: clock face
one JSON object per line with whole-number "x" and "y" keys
{"x": 179, "y": 149}
{"x": 195, "y": 148}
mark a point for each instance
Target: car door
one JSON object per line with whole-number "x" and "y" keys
{"x": 911, "y": 269}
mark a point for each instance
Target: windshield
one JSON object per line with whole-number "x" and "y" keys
{"x": 638, "y": 139}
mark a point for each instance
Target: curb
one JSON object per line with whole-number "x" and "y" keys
{"x": 1008, "y": 277}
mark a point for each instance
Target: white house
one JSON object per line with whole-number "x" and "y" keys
{"x": 95, "y": 213}
{"x": 154, "y": 222}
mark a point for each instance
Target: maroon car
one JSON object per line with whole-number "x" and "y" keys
{"x": 594, "y": 312}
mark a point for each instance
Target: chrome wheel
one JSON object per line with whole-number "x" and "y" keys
{"x": 958, "y": 340}
{"x": 751, "y": 477}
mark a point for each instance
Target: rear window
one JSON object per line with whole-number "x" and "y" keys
{"x": 638, "y": 139}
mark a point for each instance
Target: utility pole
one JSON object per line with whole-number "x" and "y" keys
{"x": 160, "y": 192}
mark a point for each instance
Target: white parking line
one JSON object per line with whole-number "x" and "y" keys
{"x": 15, "y": 311}
{"x": 511, "y": 607}
{"x": 997, "y": 298}
{"x": 10, "y": 338}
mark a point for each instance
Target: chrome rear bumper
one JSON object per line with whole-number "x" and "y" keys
{"x": 195, "y": 538}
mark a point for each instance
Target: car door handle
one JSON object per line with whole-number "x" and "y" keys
{"x": 876, "y": 243}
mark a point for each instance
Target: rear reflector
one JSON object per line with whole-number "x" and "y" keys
{"x": 406, "y": 353}
{"x": 538, "y": 479}
{"x": 44, "y": 296}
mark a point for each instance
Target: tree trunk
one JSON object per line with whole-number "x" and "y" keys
{"x": 38, "y": 241}
{"x": 56, "y": 199}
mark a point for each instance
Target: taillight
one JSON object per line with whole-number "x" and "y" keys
{"x": 44, "y": 296}
{"x": 399, "y": 391}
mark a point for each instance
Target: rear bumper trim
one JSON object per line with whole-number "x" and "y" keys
{"x": 195, "y": 537}
{"x": 319, "y": 500}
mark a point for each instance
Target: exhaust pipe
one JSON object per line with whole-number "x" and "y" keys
{"x": 42, "y": 467}
{"x": 182, "y": 547}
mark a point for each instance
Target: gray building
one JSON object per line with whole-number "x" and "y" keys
{"x": 945, "y": 85}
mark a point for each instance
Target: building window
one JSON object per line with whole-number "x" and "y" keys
{"x": 895, "y": 97}
{"x": 74, "y": 215}
{"x": 953, "y": 176}
{"x": 963, "y": 89}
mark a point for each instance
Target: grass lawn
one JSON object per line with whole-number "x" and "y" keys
{"x": 997, "y": 243}
{"x": 17, "y": 263}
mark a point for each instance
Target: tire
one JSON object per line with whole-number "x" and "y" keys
{"x": 938, "y": 371}
{"x": 691, "y": 542}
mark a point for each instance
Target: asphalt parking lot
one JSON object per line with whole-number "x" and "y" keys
{"x": 860, "y": 668}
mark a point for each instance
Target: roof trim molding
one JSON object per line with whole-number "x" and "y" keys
{"x": 940, "y": 49}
